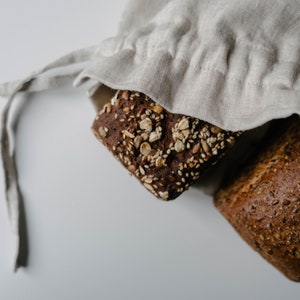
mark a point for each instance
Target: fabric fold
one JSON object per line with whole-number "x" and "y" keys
{"x": 202, "y": 92}
{"x": 232, "y": 63}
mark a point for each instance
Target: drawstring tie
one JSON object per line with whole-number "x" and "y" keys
{"x": 55, "y": 74}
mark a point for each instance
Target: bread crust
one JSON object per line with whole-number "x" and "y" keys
{"x": 166, "y": 152}
{"x": 263, "y": 203}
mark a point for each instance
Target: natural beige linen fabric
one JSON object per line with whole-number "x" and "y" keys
{"x": 233, "y": 63}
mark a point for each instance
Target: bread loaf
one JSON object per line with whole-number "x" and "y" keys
{"x": 263, "y": 203}
{"x": 167, "y": 152}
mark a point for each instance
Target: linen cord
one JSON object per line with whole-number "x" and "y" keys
{"x": 31, "y": 83}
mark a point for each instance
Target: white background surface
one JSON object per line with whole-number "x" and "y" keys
{"x": 94, "y": 231}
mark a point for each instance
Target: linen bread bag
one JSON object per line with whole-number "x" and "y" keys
{"x": 231, "y": 65}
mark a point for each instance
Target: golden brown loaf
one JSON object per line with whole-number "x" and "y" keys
{"x": 166, "y": 152}
{"x": 263, "y": 204}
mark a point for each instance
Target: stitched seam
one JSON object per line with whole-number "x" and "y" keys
{"x": 260, "y": 48}
{"x": 183, "y": 61}
{"x": 230, "y": 77}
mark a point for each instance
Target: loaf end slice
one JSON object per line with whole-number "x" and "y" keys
{"x": 166, "y": 152}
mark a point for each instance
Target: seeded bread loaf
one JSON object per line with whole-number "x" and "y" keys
{"x": 166, "y": 152}
{"x": 263, "y": 203}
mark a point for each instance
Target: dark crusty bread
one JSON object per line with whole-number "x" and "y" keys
{"x": 263, "y": 203}
{"x": 166, "y": 152}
